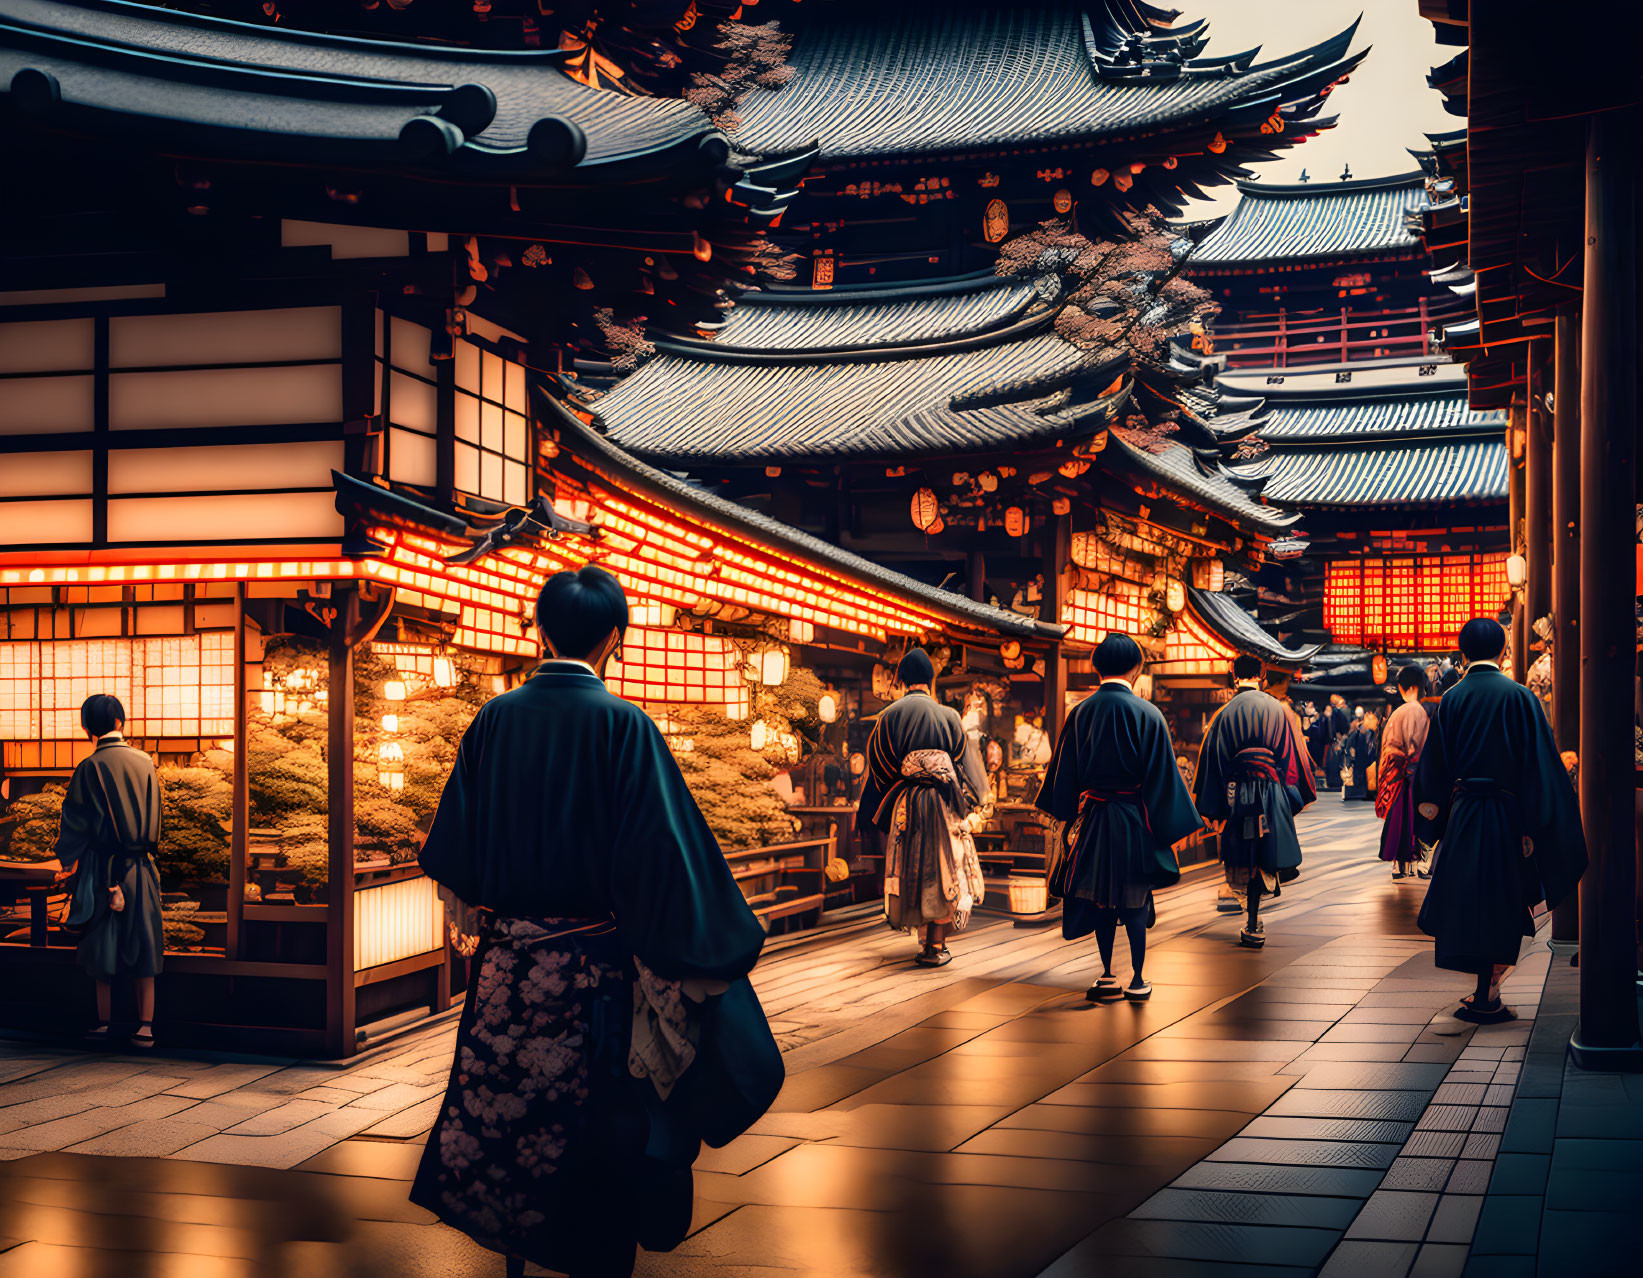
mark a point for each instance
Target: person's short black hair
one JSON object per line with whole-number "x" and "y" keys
{"x": 916, "y": 669}
{"x": 1412, "y": 677}
{"x": 101, "y": 714}
{"x": 1279, "y": 676}
{"x": 577, "y": 609}
{"x": 1117, "y": 654}
{"x": 1246, "y": 667}
{"x": 1482, "y": 639}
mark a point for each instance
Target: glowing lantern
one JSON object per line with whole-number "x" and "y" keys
{"x": 1099, "y": 176}
{"x": 926, "y": 509}
{"x": 1209, "y": 574}
{"x": 827, "y": 709}
{"x": 1016, "y": 522}
{"x": 1123, "y": 181}
{"x": 995, "y": 224}
{"x": 392, "y": 752}
{"x": 1062, "y": 505}
{"x": 1170, "y": 162}
{"x": 1517, "y": 571}
{"x": 1062, "y": 200}
{"x": 1098, "y": 442}
{"x": 1377, "y": 668}
{"x": 581, "y": 279}
{"x": 937, "y": 528}
{"x": 759, "y": 735}
{"x": 821, "y": 272}
{"x": 702, "y": 251}
{"x": 772, "y": 666}
{"x": 390, "y": 723}
{"x": 393, "y": 690}
{"x": 858, "y": 764}
{"x": 988, "y": 481}
{"x": 1010, "y": 649}
{"x": 444, "y": 673}
{"x": 1175, "y": 594}
{"x": 1218, "y": 144}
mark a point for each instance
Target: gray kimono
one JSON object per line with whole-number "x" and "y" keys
{"x": 111, "y": 820}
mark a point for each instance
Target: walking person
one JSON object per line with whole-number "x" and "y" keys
{"x": 1252, "y": 780}
{"x": 609, "y": 1028}
{"x": 106, "y": 842}
{"x": 924, "y": 778}
{"x": 1339, "y": 723}
{"x": 1492, "y": 786}
{"x": 1114, "y": 785}
{"x": 1402, "y": 741}
{"x": 1356, "y": 756}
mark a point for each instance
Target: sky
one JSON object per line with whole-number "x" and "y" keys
{"x": 1386, "y": 106}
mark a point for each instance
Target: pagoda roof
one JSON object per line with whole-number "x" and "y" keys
{"x": 976, "y": 369}
{"x": 1313, "y": 222}
{"x": 1210, "y": 483}
{"x": 1404, "y": 473}
{"x": 881, "y": 80}
{"x": 244, "y": 91}
{"x": 1339, "y": 420}
{"x": 1242, "y": 632}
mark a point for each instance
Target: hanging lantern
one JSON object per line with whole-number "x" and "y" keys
{"x": 988, "y": 481}
{"x": 1099, "y": 176}
{"x": 772, "y": 472}
{"x": 1062, "y": 201}
{"x": 926, "y": 509}
{"x": 1123, "y": 181}
{"x": 960, "y": 478}
{"x": 1062, "y": 505}
{"x": 1218, "y": 144}
{"x": 702, "y": 251}
{"x": 1175, "y": 594}
{"x": 759, "y": 736}
{"x": 581, "y": 279}
{"x": 392, "y": 752}
{"x": 444, "y": 673}
{"x": 858, "y": 764}
{"x": 1377, "y": 668}
{"x": 1016, "y": 522}
{"x": 393, "y": 690}
{"x": 1010, "y": 649}
{"x": 1517, "y": 571}
{"x": 827, "y": 708}
{"x": 821, "y": 271}
{"x": 1170, "y": 162}
{"x": 772, "y": 666}
{"x": 995, "y": 225}
{"x": 390, "y": 723}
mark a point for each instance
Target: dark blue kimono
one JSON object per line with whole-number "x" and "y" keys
{"x": 567, "y": 818}
{"x": 1254, "y": 775}
{"x": 1492, "y": 770}
{"x": 1114, "y": 782}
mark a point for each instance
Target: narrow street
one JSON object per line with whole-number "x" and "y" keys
{"x": 1307, "y": 1105}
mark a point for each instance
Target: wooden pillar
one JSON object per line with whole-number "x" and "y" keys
{"x": 1057, "y": 555}
{"x": 1566, "y": 568}
{"x": 1514, "y": 533}
{"x": 976, "y": 572}
{"x": 1537, "y": 497}
{"x": 242, "y": 787}
{"x": 339, "y": 766}
{"x": 1607, "y": 1036}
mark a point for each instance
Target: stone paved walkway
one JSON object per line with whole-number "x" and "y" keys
{"x": 1308, "y": 1106}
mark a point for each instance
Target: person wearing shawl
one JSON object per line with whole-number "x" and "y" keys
{"x": 924, "y": 778}
{"x": 1253, "y": 777}
{"x": 609, "y": 1028}
{"x": 1114, "y": 786}
{"x": 1491, "y": 785}
{"x": 1402, "y": 741}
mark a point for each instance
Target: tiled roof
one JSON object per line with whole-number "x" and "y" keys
{"x": 1211, "y": 484}
{"x": 1420, "y": 416}
{"x": 1305, "y": 222}
{"x": 178, "y": 73}
{"x": 1466, "y": 470}
{"x": 1222, "y": 614}
{"x": 897, "y": 79}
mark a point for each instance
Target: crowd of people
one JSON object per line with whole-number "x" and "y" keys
{"x": 611, "y": 1029}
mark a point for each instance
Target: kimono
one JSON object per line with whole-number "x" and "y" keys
{"x": 1402, "y": 740}
{"x": 1253, "y": 774}
{"x": 1360, "y": 754}
{"x": 923, "y": 778}
{"x": 1114, "y": 784}
{"x": 1492, "y": 771}
{"x": 110, "y": 830}
{"x": 609, "y": 1027}
{"x": 1317, "y": 742}
{"x": 1338, "y": 722}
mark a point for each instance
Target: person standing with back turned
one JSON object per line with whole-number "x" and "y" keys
{"x": 1492, "y": 787}
{"x": 1114, "y": 785}
{"x": 1253, "y": 777}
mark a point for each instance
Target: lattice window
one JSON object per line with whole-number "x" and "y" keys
{"x": 1093, "y": 615}
{"x": 1418, "y": 603}
{"x": 19, "y": 701}
{"x": 1190, "y": 649}
{"x": 183, "y": 686}
{"x": 405, "y": 366}
{"x": 678, "y": 666}
{"x": 492, "y": 430}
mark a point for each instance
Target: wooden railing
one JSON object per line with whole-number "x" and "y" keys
{"x": 1285, "y": 339}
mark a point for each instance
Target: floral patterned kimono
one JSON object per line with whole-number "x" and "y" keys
{"x": 931, "y": 871}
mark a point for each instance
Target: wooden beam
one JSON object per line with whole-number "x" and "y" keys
{"x": 1537, "y": 495}
{"x": 1607, "y": 1036}
{"x": 1516, "y": 425}
{"x": 339, "y": 760}
{"x": 1566, "y": 568}
{"x": 1058, "y": 538}
{"x": 241, "y": 817}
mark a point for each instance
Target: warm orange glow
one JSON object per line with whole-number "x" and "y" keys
{"x": 995, "y": 223}
{"x": 1413, "y": 604}
{"x": 1191, "y": 649}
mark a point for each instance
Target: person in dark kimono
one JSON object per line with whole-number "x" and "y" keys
{"x": 924, "y": 778}
{"x": 609, "y": 1027}
{"x": 1492, "y": 786}
{"x": 1339, "y": 722}
{"x": 1317, "y": 741}
{"x": 1114, "y": 786}
{"x": 106, "y": 842}
{"x": 1252, "y": 780}
{"x": 1362, "y": 744}
{"x": 1402, "y": 741}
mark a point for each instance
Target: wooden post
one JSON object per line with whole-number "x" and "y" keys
{"x": 1057, "y": 554}
{"x": 339, "y": 794}
{"x": 1537, "y": 501}
{"x": 1607, "y": 1036}
{"x": 242, "y": 787}
{"x": 1515, "y": 424}
{"x": 1566, "y": 569}
{"x": 976, "y": 571}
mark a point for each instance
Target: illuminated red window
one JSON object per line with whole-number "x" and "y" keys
{"x": 1411, "y": 603}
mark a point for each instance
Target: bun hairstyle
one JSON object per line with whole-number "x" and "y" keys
{"x": 577, "y": 609}
{"x": 101, "y": 714}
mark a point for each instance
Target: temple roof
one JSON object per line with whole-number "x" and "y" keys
{"x": 270, "y": 93}
{"x": 1304, "y": 222}
{"x": 1337, "y": 420}
{"x": 1222, "y": 614}
{"x": 1208, "y": 483}
{"x": 885, "y": 79}
{"x": 1388, "y": 474}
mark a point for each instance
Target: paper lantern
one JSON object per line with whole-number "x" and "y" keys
{"x": 1010, "y": 649}
{"x": 1098, "y": 441}
{"x": 772, "y": 666}
{"x": 926, "y": 510}
{"x": 858, "y": 764}
{"x": 1517, "y": 571}
{"x": 1099, "y": 176}
{"x": 1062, "y": 505}
{"x": 827, "y": 709}
{"x": 995, "y": 224}
{"x": 390, "y": 723}
{"x": 1016, "y": 522}
{"x": 759, "y": 735}
{"x": 1062, "y": 200}
{"x": 1377, "y": 668}
{"x": 444, "y": 673}
{"x": 988, "y": 481}
{"x": 772, "y": 472}
{"x": 393, "y": 690}
{"x": 1175, "y": 594}
{"x": 937, "y": 528}
{"x": 392, "y": 752}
